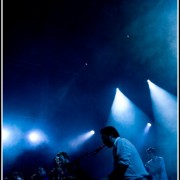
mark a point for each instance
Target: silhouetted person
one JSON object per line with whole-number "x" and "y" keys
{"x": 63, "y": 169}
{"x": 156, "y": 165}
{"x": 127, "y": 163}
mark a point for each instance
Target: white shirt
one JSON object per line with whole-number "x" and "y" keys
{"x": 125, "y": 153}
{"x": 156, "y": 168}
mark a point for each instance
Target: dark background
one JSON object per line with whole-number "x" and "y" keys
{"x": 63, "y": 60}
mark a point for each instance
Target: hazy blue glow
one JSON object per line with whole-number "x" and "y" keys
{"x": 122, "y": 109}
{"x": 5, "y": 135}
{"x": 36, "y": 137}
{"x": 92, "y": 132}
{"x": 146, "y": 130}
{"x": 164, "y": 107}
{"x": 11, "y": 136}
{"x": 126, "y": 116}
{"x": 81, "y": 139}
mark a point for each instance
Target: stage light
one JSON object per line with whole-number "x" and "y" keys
{"x": 82, "y": 138}
{"x": 11, "y": 135}
{"x": 5, "y": 134}
{"x": 92, "y": 132}
{"x": 146, "y": 130}
{"x": 120, "y": 106}
{"x": 164, "y": 107}
{"x": 36, "y": 137}
{"x": 125, "y": 111}
{"x": 126, "y": 115}
{"x": 146, "y": 136}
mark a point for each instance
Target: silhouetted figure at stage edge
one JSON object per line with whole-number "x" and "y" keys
{"x": 156, "y": 165}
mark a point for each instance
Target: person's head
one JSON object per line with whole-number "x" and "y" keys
{"x": 108, "y": 135}
{"x": 62, "y": 158}
{"x": 151, "y": 152}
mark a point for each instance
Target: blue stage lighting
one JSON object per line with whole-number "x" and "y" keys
{"x": 82, "y": 138}
{"x": 36, "y": 137}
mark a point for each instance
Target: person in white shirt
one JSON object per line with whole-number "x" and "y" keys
{"x": 127, "y": 162}
{"x": 156, "y": 165}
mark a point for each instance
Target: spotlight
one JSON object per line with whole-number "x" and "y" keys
{"x": 82, "y": 138}
{"x": 36, "y": 137}
{"x": 92, "y": 132}
{"x": 164, "y": 106}
{"x": 11, "y": 135}
{"x": 124, "y": 113}
{"x": 147, "y": 128}
{"x": 5, "y": 134}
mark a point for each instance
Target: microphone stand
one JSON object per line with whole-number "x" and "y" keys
{"x": 92, "y": 153}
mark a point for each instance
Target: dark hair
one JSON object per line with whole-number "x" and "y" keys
{"x": 151, "y": 150}
{"x": 63, "y": 154}
{"x": 109, "y": 130}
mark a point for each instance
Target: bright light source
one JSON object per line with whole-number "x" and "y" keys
{"x": 125, "y": 111}
{"x": 126, "y": 115}
{"x": 151, "y": 85}
{"x": 92, "y": 132}
{"x": 5, "y": 134}
{"x": 36, "y": 137}
{"x": 146, "y": 130}
{"x": 82, "y": 138}
{"x": 120, "y": 107}
{"x": 164, "y": 107}
{"x": 11, "y": 135}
